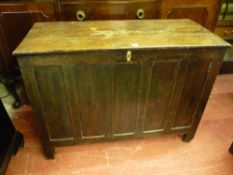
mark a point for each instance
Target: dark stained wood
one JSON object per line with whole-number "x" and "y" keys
{"x": 191, "y": 90}
{"x": 227, "y": 67}
{"x": 16, "y": 19}
{"x": 91, "y": 97}
{"x": 214, "y": 67}
{"x": 126, "y": 88}
{"x": 205, "y": 12}
{"x": 161, "y": 80}
{"x": 198, "y": 14}
{"x": 35, "y": 100}
{"x": 54, "y": 106}
{"x": 127, "y": 9}
{"x": 133, "y": 83}
{"x": 106, "y": 10}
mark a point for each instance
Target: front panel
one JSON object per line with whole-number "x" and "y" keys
{"x": 86, "y": 98}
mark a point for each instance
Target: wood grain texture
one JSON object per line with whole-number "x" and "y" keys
{"x": 161, "y": 81}
{"x": 191, "y": 91}
{"x": 75, "y": 36}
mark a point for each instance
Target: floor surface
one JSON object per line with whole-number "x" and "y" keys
{"x": 207, "y": 154}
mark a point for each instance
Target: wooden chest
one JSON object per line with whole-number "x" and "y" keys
{"x": 109, "y": 80}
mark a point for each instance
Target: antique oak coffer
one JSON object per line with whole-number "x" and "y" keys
{"x": 109, "y": 80}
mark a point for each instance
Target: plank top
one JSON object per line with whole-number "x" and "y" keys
{"x": 63, "y": 37}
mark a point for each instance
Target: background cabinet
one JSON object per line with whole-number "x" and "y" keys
{"x": 106, "y": 10}
{"x": 16, "y": 19}
{"x": 224, "y": 29}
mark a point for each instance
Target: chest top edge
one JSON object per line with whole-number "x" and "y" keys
{"x": 63, "y": 37}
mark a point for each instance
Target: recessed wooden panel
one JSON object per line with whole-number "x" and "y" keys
{"x": 198, "y": 14}
{"x": 193, "y": 76}
{"x": 126, "y": 91}
{"x": 93, "y": 85}
{"x": 51, "y": 85}
{"x": 160, "y": 86}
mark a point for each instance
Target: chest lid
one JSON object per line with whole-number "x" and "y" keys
{"x": 63, "y": 37}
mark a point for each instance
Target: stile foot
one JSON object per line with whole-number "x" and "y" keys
{"x": 49, "y": 152}
{"x": 187, "y": 137}
{"x": 19, "y": 140}
{"x": 231, "y": 149}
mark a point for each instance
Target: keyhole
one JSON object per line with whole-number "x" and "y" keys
{"x": 128, "y": 56}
